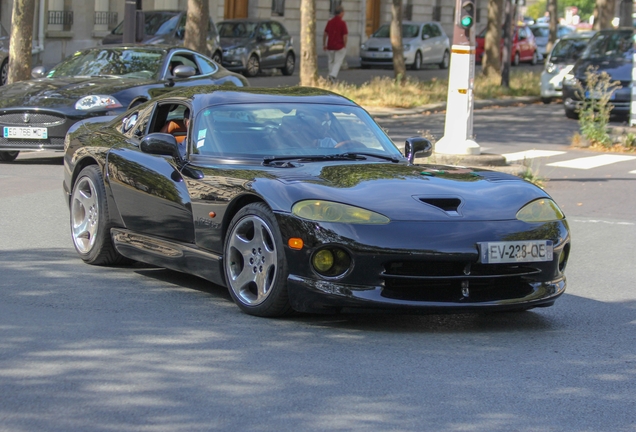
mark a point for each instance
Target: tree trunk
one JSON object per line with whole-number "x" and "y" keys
{"x": 308, "y": 56}
{"x": 491, "y": 62}
{"x": 21, "y": 41}
{"x": 197, "y": 24}
{"x": 399, "y": 67}
{"x": 507, "y": 43}
{"x": 603, "y": 14}
{"x": 554, "y": 21}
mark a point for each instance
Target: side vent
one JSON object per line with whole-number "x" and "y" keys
{"x": 449, "y": 205}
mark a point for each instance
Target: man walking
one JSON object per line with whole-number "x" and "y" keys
{"x": 334, "y": 41}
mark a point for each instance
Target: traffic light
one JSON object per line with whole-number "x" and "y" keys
{"x": 467, "y": 14}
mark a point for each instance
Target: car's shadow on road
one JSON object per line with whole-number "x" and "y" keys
{"x": 32, "y": 160}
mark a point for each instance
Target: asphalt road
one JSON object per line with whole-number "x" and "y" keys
{"x": 137, "y": 348}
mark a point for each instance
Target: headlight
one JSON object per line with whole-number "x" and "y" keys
{"x": 363, "y": 47}
{"x": 550, "y": 67}
{"x": 541, "y": 210}
{"x": 570, "y": 80}
{"x": 96, "y": 102}
{"x": 327, "y": 211}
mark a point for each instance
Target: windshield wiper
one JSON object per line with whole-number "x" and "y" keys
{"x": 311, "y": 158}
{"x": 352, "y": 155}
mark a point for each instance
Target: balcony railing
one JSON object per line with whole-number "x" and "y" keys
{"x": 106, "y": 18}
{"x": 63, "y": 18}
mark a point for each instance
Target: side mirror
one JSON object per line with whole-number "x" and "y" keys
{"x": 38, "y": 72}
{"x": 417, "y": 146}
{"x": 183, "y": 71}
{"x": 163, "y": 144}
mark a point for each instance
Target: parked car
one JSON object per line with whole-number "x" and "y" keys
{"x": 524, "y": 47}
{"x": 560, "y": 61}
{"x": 35, "y": 115}
{"x": 423, "y": 43}
{"x": 610, "y": 51}
{"x": 295, "y": 199}
{"x": 541, "y": 34}
{"x": 250, "y": 45}
{"x": 4, "y": 55}
{"x": 167, "y": 28}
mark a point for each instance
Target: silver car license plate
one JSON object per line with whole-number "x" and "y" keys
{"x": 515, "y": 251}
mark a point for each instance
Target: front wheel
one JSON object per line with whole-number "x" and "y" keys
{"x": 546, "y": 100}
{"x": 255, "y": 263}
{"x": 253, "y": 66}
{"x": 4, "y": 71}
{"x": 417, "y": 63}
{"x": 90, "y": 226}
{"x": 8, "y": 156}
{"x": 290, "y": 65}
{"x": 445, "y": 61}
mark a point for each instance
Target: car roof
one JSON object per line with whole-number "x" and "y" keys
{"x": 254, "y": 20}
{"x": 207, "y": 95}
{"x": 144, "y": 47}
{"x": 580, "y": 35}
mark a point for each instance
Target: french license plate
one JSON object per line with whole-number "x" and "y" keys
{"x": 25, "y": 132}
{"x": 515, "y": 251}
{"x": 594, "y": 94}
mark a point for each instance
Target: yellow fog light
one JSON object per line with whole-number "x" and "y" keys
{"x": 323, "y": 260}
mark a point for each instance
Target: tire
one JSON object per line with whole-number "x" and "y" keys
{"x": 571, "y": 114}
{"x": 516, "y": 60}
{"x": 290, "y": 65}
{"x": 546, "y": 100}
{"x": 8, "y": 156}
{"x": 535, "y": 58}
{"x": 445, "y": 61}
{"x": 417, "y": 63}
{"x": 217, "y": 57}
{"x": 90, "y": 223}
{"x": 253, "y": 66}
{"x": 4, "y": 72}
{"x": 365, "y": 66}
{"x": 255, "y": 264}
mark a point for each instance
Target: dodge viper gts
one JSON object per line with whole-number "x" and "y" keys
{"x": 35, "y": 115}
{"x": 295, "y": 199}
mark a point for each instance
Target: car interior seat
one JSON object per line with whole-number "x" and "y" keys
{"x": 176, "y": 128}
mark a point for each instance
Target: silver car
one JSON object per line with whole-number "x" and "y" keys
{"x": 423, "y": 42}
{"x": 541, "y": 34}
{"x": 560, "y": 62}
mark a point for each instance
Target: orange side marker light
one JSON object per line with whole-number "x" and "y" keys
{"x": 295, "y": 243}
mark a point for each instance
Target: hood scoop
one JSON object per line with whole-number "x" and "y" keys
{"x": 495, "y": 176}
{"x": 449, "y": 205}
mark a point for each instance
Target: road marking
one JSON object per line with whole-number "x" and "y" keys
{"x": 530, "y": 154}
{"x": 602, "y": 221}
{"x": 591, "y": 162}
{"x": 633, "y": 172}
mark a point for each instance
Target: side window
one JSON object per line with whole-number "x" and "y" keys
{"x": 135, "y": 125}
{"x": 436, "y": 30}
{"x": 522, "y": 34}
{"x": 184, "y": 59}
{"x": 180, "y": 34}
{"x": 265, "y": 31}
{"x": 426, "y": 31}
{"x": 277, "y": 30}
{"x": 212, "y": 32}
{"x": 207, "y": 67}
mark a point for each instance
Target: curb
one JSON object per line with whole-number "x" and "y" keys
{"x": 381, "y": 112}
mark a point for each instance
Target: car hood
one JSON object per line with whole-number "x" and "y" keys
{"x": 402, "y": 192}
{"x": 60, "y": 92}
{"x": 385, "y": 42}
{"x": 618, "y": 69}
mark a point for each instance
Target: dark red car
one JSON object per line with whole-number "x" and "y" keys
{"x": 524, "y": 47}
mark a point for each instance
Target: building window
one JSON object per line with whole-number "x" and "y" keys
{"x": 106, "y": 18}
{"x": 332, "y": 6}
{"x": 278, "y": 7}
{"x": 437, "y": 10}
{"x": 61, "y": 18}
{"x": 407, "y": 12}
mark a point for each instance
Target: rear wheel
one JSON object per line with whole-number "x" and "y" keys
{"x": 8, "y": 156}
{"x": 445, "y": 61}
{"x": 253, "y": 66}
{"x": 571, "y": 114}
{"x": 516, "y": 60}
{"x": 255, "y": 263}
{"x": 90, "y": 225}
{"x": 417, "y": 63}
{"x": 4, "y": 71}
{"x": 546, "y": 100}
{"x": 290, "y": 65}
{"x": 535, "y": 58}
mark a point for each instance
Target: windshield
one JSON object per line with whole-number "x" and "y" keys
{"x": 288, "y": 130}
{"x": 408, "y": 31}
{"x": 617, "y": 46}
{"x": 236, "y": 29}
{"x": 568, "y": 50}
{"x": 132, "y": 63}
{"x": 154, "y": 23}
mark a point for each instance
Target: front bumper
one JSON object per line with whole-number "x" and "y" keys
{"x": 56, "y": 123}
{"x": 621, "y": 100}
{"x": 423, "y": 266}
{"x": 234, "y": 63}
{"x": 384, "y": 58}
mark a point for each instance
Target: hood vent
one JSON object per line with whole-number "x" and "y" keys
{"x": 449, "y": 205}
{"x": 495, "y": 176}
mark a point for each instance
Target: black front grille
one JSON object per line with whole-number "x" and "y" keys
{"x": 17, "y": 144}
{"x": 380, "y": 49}
{"x": 31, "y": 119}
{"x": 456, "y": 269}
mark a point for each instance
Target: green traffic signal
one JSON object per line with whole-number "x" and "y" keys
{"x": 467, "y": 14}
{"x": 467, "y": 21}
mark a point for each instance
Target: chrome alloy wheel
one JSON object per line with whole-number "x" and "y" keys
{"x": 252, "y": 260}
{"x": 84, "y": 215}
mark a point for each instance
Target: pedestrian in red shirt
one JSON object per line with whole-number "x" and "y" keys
{"x": 334, "y": 41}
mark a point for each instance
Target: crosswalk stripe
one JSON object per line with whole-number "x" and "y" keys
{"x": 530, "y": 154}
{"x": 591, "y": 162}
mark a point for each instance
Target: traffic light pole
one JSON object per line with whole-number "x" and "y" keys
{"x": 458, "y": 129}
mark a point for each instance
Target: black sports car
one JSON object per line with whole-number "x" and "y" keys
{"x": 295, "y": 199}
{"x": 35, "y": 115}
